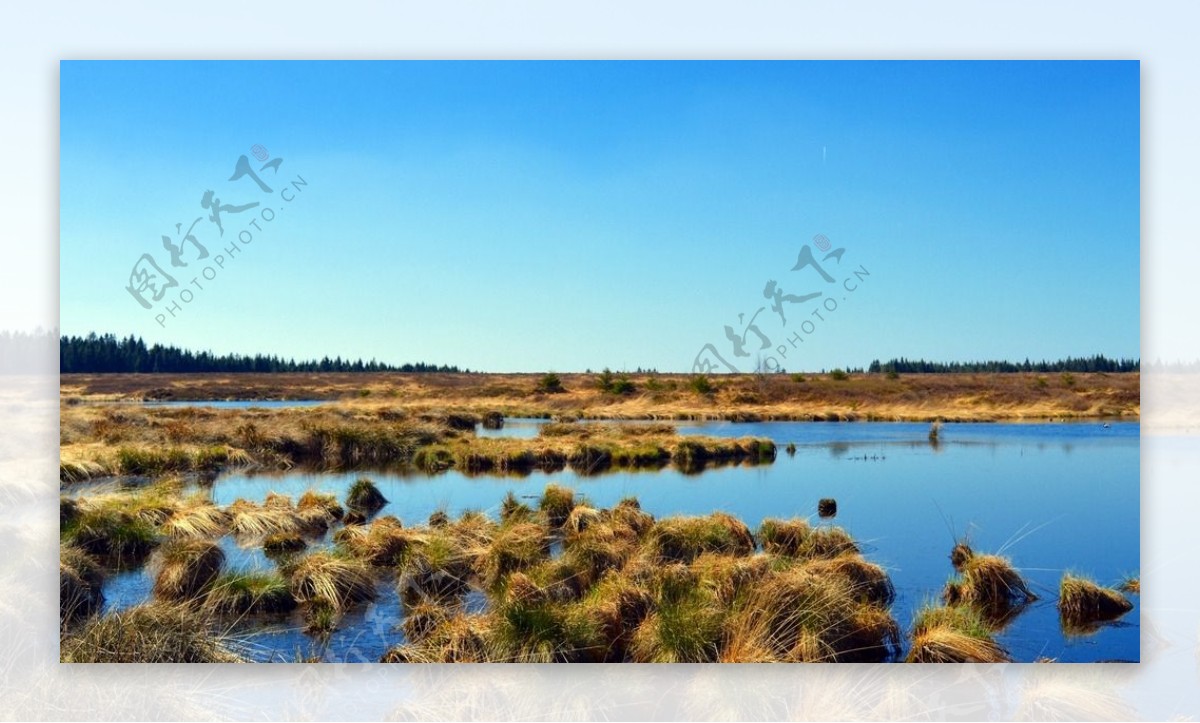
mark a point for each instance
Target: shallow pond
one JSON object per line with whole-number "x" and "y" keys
{"x": 1053, "y": 497}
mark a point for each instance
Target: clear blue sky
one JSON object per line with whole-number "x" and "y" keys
{"x": 527, "y": 216}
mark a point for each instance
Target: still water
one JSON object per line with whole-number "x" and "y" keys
{"x": 1052, "y": 497}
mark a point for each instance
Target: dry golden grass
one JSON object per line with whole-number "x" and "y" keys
{"x": 913, "y": 397}
{"x": 988, "y": 581}
{"x": 325, "y": 578}
{"x": 152, "y": 441}
{"x": 150, "y": 633}
{"x": 80, "y": 583}
{"x": 953, "y": 635}
{"x": 186, "y": 568}
{"x": 1082, "y": 603}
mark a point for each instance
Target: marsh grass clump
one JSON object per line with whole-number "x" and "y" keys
{"x": 1131, "y": 584}
{"x": 365, "y": 497}
{"x": 683, "y": 539}
{"x": 119, "y": 537}
{"x": 186, "y": 568}
{"x": 247, "y": 594}
{"x": 684, "y": 626}
{"x": 530, "y": 628}
{"x": 989, "y": 581}
{"x": 690, "y": 456}
{"x": 1081, "y": 602}
{"x": 730, "y": 577}
{"x": 556, "y": 504}
{"x": 199, "y": 519}
{"x": 461, "y": 638}
{"x": 791, "y": 449}
{"x": 956, "y": 634}
{"x": 827, "y": 543}
{"x": 80, "y": 584}
{"x": 385, "y": 542}
{"x": 516, "y": 546}
{"x": 590, "y": 458}
{"x": 325, "y": 503}
{"x": 440, "y": 567}
{"x": 514, "y": 510}
{"x": 795, "y": 615}
{"x": 331, "y": 580}
{"x": 629, "y": 514}
{"x": 868, "y": 582}
{"x": 493, "y": 420}
{"x": 251, "y": 520}
{"x": 784, "y": 537}
{"x": 149, "y": 633}
{"x": 68, "y": 511}
{"x": 283, "y": 543}
{"x": 146, "y": 461}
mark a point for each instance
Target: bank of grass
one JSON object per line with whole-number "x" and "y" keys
{"x": 154, "y": 442}
{"x": 910, "y": 397}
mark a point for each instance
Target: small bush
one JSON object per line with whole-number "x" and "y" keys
{"x": 701, "y": 385}
{"x": 550, "y": 384}
{"x": 838, "y": 375}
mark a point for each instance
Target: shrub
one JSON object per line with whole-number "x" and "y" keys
{"x": 550, "y": 384}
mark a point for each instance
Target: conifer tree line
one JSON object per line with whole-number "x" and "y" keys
{"x": 1097, "y": 363}
{"x": 100, "y": 354}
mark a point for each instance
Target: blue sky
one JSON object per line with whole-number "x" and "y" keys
{"x": 523, "y": 216}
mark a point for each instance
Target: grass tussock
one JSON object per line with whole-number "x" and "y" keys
{"x": 251, "y": 520}
{"x": 117, "y": 536}
{"x": 1082, "y": 603}
{"x": 203, "y": 520}
{"x": 957, "y": 634}
{"x": 332, "y": 580}
{"x": 989, "y": 581}
{"x": 683, "y": 539}
{"x": 1131, "y": 584}
{"x": 238, "y": 594}
{"x": 186, "y": 568}
{"x": 556, "y": 504}
{"x": 365, "y": 497}
{"x": 149, "y": 633}
{"x": 385, "y": 542}
{"x": 797, "y": 615}
{"x": 278, "y": 544}
{"x": 784, "y": 537}
{"x": 80, "y": 583}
